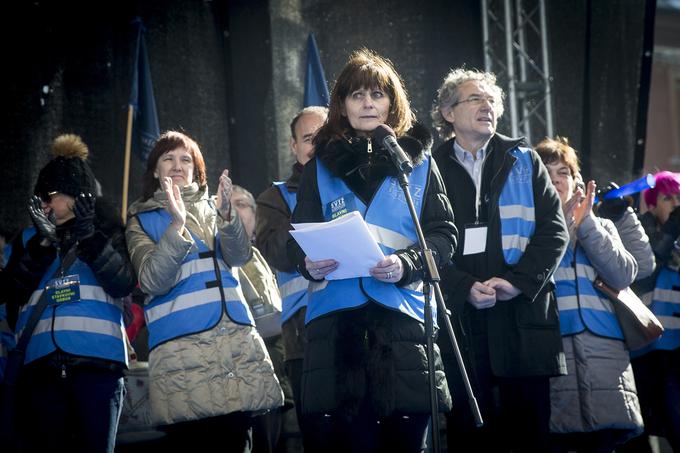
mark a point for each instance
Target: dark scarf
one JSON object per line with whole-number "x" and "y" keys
{"x": 363, "y": 172}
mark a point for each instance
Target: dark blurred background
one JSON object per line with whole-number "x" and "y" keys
{"x": 231, "y": 75}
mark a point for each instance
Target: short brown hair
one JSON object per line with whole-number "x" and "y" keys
{"x": 558, "y": 150}
{"x": 367, "y": 69}
{"x": 167, "y": 142}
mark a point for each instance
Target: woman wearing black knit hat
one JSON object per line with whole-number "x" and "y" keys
{"x": 75, "y": 264}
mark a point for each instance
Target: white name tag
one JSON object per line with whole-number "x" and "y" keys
{"x": 475, "y": 239}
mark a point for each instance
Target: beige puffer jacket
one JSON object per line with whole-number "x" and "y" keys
{"x": 215, "y": 372}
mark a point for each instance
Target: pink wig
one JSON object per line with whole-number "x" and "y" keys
{"x": 667, "y": 183}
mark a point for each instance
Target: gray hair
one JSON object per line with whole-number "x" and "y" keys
{"x": 447, "y": 95}
{"x": 249, "y": 196}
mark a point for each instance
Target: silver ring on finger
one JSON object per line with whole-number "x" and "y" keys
{"x": 389, "y": 275}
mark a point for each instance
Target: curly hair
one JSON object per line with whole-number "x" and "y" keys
{"x": 448, "y": 94}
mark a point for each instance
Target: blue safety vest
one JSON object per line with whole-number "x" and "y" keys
{"x": 665, "y": 304}
{"x": 194, "y": 304}
{"x": 582, "y": 306}
{"x": 91, "y": 327}
{"x": 390, "y": 223}
{"x": 292, "y": 285}
{"x": 516, "y": 205}
{"x": 7, "y": 339}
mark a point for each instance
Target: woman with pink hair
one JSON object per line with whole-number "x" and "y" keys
{"x": 657, "y": 366}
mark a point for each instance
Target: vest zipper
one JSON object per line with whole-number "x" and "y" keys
{"x": 63, "y": 371}
{"x": 369, "y": 148}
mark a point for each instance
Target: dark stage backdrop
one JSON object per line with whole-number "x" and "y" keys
{"x": 231, "y": 74}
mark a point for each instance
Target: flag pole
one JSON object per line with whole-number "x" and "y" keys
{"x": 126, "y": 169}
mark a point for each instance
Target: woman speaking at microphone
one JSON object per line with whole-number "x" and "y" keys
{"x": 365, "y": 379}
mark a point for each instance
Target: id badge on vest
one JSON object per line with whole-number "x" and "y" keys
{"x": 340, "y": 206}
{"x": 63, "y": 290}
{"x": 475, "y": 238}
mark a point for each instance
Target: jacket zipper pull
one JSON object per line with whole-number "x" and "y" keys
{"x": 63, "y": 371}
{"x": 369, "y": 150}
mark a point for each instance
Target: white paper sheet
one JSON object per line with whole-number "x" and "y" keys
{"x": 346, "y": 239}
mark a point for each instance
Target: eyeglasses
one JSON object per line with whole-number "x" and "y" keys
{"x": 242, "y": 204}
{"x": 477, "y": 100}
{"x": 46, "y": 197}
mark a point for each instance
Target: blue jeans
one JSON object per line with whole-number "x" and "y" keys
{"x": 75, "y": 409}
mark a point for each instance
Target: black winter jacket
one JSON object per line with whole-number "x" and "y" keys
{"x": 523, "y": 333}
{"x": 372, "y": 356}
{"x": 105, "y": 252}
{"x": 363, "y": 173}
{"x": 273, "y": 223}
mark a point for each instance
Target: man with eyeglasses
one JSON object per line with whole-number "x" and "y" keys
{"x": 499, "y": 284}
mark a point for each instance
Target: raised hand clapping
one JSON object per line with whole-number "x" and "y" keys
{"x": 175, "y": 204}
{"x": 43, "y": 225}
{"x": 224, "y": 196}
{"x": 83, "y": 209}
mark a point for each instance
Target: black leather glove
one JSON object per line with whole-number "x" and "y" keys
{"x": 672, "y": 225}
{"x": 43, "y": 225}
{"x": 613, "y": 208}
{"x": 84, "y": 212}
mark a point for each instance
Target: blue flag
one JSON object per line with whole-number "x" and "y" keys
{"x": 145, "y": 129}
{"x": 316, "y": 88}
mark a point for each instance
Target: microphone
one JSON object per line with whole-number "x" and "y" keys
{"x": 384, "y": 135}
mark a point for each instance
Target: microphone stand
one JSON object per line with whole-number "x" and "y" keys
{"x": 431, "y": 281}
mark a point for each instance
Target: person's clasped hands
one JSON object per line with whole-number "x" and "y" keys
{"x": 485, "y": 294}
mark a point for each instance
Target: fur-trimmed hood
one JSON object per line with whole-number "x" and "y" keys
{"x": 343, "y": 157}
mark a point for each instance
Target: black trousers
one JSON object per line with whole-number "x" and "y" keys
{"x": 657, "y": 377}
{"x": 366, "y": 433}
{"x": 230, "y": 433}
{"x": 74, "y": 409}
{"x": 515, "y": 411}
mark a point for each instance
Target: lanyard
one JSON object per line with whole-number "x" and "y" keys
{"x": 477, "y": 178}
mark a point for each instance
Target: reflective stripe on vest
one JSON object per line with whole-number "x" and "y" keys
{"x": 581, "y": 305}
{"x": 292, "y": 285}
{"x": 664, "y": 302}
{"x": 516, "y": 205}
{"x": 389, "y": 221}
{"x": 194, "y": 304}
{"x": 91, "y": 327}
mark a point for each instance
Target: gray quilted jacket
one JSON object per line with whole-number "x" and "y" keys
{"x": 215, "y": 372}
{"x": 598, "y": 391}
